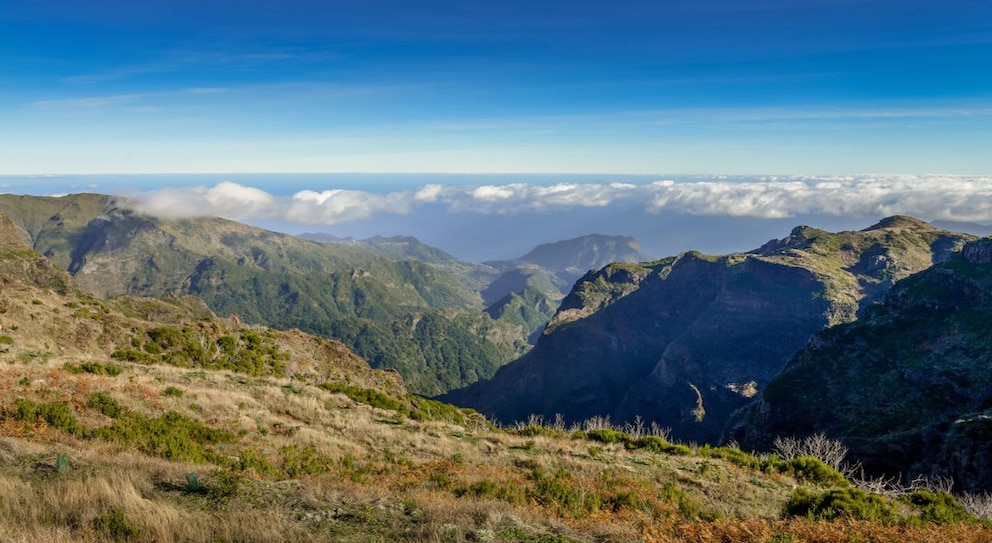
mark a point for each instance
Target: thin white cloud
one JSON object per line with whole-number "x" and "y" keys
{"x": 931, "y": 197}
{"x": 333, "y": 206}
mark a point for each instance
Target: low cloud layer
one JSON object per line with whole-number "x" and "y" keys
{"x": 960, "y": 198}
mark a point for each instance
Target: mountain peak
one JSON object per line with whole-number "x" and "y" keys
{"x": 900, "y": 221}
{"x": 10, "y": 236}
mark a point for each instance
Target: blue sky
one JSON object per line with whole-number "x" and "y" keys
{"x": 636, "y": 87}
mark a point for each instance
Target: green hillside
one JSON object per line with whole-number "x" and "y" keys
{"x": 279, "y": 280}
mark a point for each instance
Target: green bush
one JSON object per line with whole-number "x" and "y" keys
{"x": 607, "y": 435}
{"x": 104, "y": 403}
{"x": 116, "y": 525}
{"x": 689, "y": 507}
{"x": 252, "y": 460}
{"x": 807, "y": 468}
{"x": 938, "y": 508}
{"x": 167, "y": 337}
{"x": 368, "y": 396}
{"x": 6, "y": 340}
{"x": 131, "y": 355}
{"x": 659, "y": 445}
{"x": 304, "y": 460}
{"x": 171, "y": 436}
{"x": 839, "y": 503}
{"x": 55, "y": 414}
{"x": 172, "y": 392}
{"x": 95, "y": 368}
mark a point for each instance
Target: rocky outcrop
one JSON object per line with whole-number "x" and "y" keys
{"x": 908, "y": 387}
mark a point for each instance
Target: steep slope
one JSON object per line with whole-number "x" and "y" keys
{"x": 265, "y": 277}
{"x": 404, "y": 248}
{"x": 908, "y": 387}
{"x": 526, "y": 290}
{"x": 561, "y": 263}
{"x": 687, "y": 340}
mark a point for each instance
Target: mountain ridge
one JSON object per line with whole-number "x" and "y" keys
{"x": 680, "y": 341}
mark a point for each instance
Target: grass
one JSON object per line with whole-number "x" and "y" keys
{"x": 350, "y": 474}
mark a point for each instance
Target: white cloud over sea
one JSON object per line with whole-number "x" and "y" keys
{"x": 930, "y": 197}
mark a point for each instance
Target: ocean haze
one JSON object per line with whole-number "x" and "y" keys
{"x": 501, "y": 216}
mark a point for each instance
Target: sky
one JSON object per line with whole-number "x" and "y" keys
{"x": 649, "y": 87}
{"x": 486, "y": 126}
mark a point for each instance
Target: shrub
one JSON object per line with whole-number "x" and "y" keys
{"x": 95, "y": 368}
{"x": 839, "y": 503}
{"x": 252, "y": 460}
{"x": 55, "y": 414}
{"x": 657, "y": 444}
{"x": 116, "y": 525}
{"x": 829, "y": 451}
{"x": 6, "y": 340}
{"x": 172, "y": 392}
{"x": 131, "y": 355}
{"x": 305, "y": 460}
{"x": 938, "y": 507}
{"x": 807, "y": 468}
{"x": 731, "y": 454}
{"x": 368, "y": 396}
{"x": 690, "y": 508}
{"x": 171, "y": 436}
{"x": 607, "y": 435}
{"x": 104, "y": 403}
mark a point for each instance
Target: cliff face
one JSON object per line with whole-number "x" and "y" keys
{"x": 685, "y": 341}
{"x": 908, "y": 387}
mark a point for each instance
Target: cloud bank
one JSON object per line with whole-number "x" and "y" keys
{"x": 933, "y": 197}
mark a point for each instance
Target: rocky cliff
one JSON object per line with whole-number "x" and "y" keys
{"x": 687, "y": 340}
{"x": 908, "y": 387}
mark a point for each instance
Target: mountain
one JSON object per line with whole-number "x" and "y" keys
{"x": 580, "y": 254}
{"x": 523, "y": 291}
{"x": 279, "y": 280}
{"x": 151, "y": 419}
{"x": 528, "y": 289}
{"x": 968, "y": 227}
{"x": 908, "y": 387}
{"x": 407, "y": 248}
{"x": 565, "y": 261}
{"x": 686, "y": 340}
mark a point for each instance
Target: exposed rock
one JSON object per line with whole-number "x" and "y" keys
{"x": 629, "y": 339}
{"x": 908, "y": 387}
